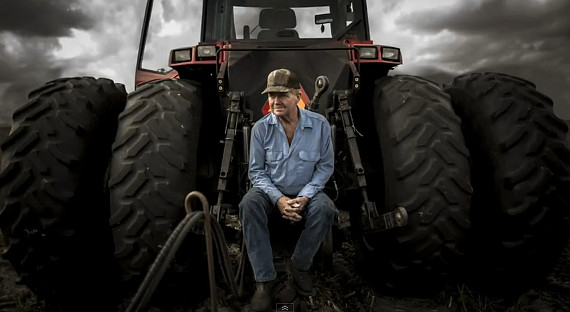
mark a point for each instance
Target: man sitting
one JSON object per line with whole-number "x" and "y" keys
{"x": 291, "y": 159}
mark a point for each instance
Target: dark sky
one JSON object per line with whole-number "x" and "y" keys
{"x": 529, "y": 39}
{"x": 28, "y": 34}
{"x": 42, "y": 40}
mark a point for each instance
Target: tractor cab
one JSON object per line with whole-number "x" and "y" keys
{"x": 241, "y": 41}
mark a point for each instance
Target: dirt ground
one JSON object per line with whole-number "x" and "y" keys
{"x": 341, "y": 289}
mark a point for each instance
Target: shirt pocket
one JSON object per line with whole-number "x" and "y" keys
{"x": 306, "y": 166}
{"x": 309, "y": 156}
{"x": 273, "y": 157}
{"x": 273, "y": 164}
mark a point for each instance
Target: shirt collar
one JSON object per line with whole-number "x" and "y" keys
{"x": 304, "y": 119}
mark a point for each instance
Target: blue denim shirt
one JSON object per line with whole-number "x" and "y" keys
{"x": 302, "y": 168}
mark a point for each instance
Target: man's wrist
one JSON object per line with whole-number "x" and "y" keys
{"x": 275, "y": 196}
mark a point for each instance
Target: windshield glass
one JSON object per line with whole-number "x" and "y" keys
{"x": 270, "y": 20}
{"x": 247, "y": 23}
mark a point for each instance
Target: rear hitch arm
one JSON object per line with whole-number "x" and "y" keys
{"x": 321, "y": 85}
{"x": 235, "y": 116}
{"x": 372, "y": 220}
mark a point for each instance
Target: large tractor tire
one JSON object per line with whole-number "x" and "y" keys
{"x": 153, "y": 168}
{"x": 53, "y": 209}
{"x": 426, "y": 171}
{"x": 521, "y": 178}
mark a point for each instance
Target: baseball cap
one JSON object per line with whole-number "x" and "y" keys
{"x": 281, "y": 80}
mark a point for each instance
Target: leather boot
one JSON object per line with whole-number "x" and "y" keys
{"x": 261, "y": 300}
{"x": 302, "y": 280}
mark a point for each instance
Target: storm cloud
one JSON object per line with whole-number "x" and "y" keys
{"x": 528, "y": 39}
{"x": 534, "y": 19}
{"x": 52, "y": 18}
{"x": 28, "y": 37}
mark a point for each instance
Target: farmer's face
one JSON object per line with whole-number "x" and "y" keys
{"x": 283, "y": 104}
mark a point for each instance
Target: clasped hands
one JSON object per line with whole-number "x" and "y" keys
{"x": 291, "y": 208}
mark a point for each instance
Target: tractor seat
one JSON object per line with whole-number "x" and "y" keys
{"x": 277, "y": 25}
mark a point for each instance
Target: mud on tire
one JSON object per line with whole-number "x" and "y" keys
{"x": 153, "y": 168}
{"x": 521, "y": 178}
{"x": 426, "y": 170}
{"x": 53, "y": 210}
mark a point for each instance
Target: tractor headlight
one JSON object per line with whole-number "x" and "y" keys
{"x": 179, "y": 56}
{"x": 390, "y": 54}
{"x": 369, "y": 53}
{"x": 206, "y": 51}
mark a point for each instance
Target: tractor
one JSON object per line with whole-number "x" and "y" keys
{"x": 467, "y": 179}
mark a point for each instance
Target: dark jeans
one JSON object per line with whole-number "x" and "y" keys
{"x": 254, "y": 209}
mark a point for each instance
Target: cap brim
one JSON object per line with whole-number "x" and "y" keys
{"x": 279, "y": 89}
